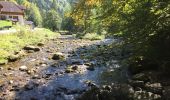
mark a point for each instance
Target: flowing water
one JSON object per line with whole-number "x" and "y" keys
{"x": 48, "y": 79}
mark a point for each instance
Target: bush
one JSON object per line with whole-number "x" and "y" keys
{"x": 91, "y": 36}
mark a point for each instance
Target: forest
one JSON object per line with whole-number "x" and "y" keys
{"x": 140, "y": 30}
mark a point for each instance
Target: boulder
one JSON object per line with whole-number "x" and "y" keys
{"x": 154, "y": 87}
{"x": 31, "y": 48}
{"x": 13, "y": 58}
{"x": 143, "y": 95}
{"x": 58, "y": 56}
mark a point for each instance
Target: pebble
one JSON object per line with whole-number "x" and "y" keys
{"x": 23, "y": 68}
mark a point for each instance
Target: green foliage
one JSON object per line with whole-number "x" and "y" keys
{"x": 34, "y": 15}
{"x": 93, "y": 36}
{"x": 144, "y": 25}
{"x": 53, "y": 20}
{"x": 68, "y": 24}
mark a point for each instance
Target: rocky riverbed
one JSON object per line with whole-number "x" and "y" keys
{"x": 66, "y": 68}
{"x": 53, "y": 70}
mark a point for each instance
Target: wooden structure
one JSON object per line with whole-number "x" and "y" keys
{"x": 12, "y": 11}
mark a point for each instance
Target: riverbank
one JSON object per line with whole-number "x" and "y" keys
{"x": 10, "y": 44}
{"x": 55, "y": 71}
{"x": 142, "y": 83}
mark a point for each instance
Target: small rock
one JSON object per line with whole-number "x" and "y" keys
{"x": 143, "y": 95}
{"x": 20, "y": 53}
{"x": 141, "y": 77}
{"x": 11, "y": 82}
{"x": 58, "y": 56}
{"x": 32, "y": 48}
{"x": 138, "y": 89}
{"x": 30, "y": 51}
{"x": 7, "y": 74}
{"x": 154, "y": 88}
{"x": 136, "y": 83}
{"x": 1, "y": 68}
{"x": 13, "y": 58}
{"x": 68, "y": 70}
{"x": 31, "y": 71}
{"x": 36, "y": 77}
{"x": 43, "y": 65}
{"x": 90, "y": 83}
{"x": 40, "y": 44}
{"x": 107, "y": 87}
{"x": 75, "y": 67}
{"x": 91, "y": 68}
{"x": 29, "y": 86}
{"x": 10, "y": 68}
{"x": 23, "y": 68}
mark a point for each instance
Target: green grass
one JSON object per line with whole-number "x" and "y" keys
{"x": 14, "y": 42}
{"x": 5, "y": 23}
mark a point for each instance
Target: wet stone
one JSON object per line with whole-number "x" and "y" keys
{"x": 58, "y": 56}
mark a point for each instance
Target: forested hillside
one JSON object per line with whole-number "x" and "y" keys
{"x": 46, "y": 13}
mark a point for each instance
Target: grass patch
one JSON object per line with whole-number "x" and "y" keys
{"x": 93, "y": 36}
{"x": 4, "y": 23}
{"x": 9, "y": 43}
